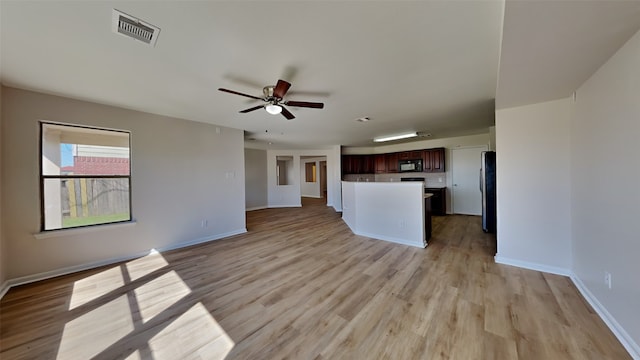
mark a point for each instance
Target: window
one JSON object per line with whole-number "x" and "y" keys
{"x": 85, "y": 176}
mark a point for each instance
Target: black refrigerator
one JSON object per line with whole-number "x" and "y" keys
{"x": 488, "y": 190}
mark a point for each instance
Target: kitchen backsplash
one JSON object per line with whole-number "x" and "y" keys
{"x": 431, "y": 179}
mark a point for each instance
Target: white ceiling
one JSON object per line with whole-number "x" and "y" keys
{"x": 429, "y": 66}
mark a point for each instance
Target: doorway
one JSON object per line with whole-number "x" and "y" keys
{"x": 313, "y": 175}
{"x": 465, "y": 176}
{"x": 323, "y": 180}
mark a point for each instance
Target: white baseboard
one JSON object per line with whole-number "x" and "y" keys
{"x": 532, "y": 266}
{"x": 202, "y": 240}
{"x": 4, "y": 288}
{"x": 284, "y": 206}
{"x": 390, "y": 239}
{"x": 632, "y": 347}
{"x": 76, "y": 268}
{"x": 256, "y": 208}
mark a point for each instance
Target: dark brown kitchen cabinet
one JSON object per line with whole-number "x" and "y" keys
{"x": 367, "y": 164}
{"x": 346, "y": 165}
{"x": 437, "y": 160}
{"x": 410, "y": 155}
{"x": 358, "y": 164}
{"x": 438, "y": 200}
{"x": 433, "y": 160}
{"x": 392, "y": 163}
{"x": 380, "y": 163}
{"x": 350, "y": 164}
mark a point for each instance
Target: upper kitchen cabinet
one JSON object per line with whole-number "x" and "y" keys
{"x": 358, "y": 164}
{"x": 392, "y": 162}
{"x": 410, "y": 155}
{"x": 380, "y": 161}
{"x": 368, "y": 164}
{"x": 433, "y": 160}
{"x": 348, "y": 164}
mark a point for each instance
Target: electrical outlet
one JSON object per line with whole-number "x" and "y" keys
{"x": 607, "y": 279}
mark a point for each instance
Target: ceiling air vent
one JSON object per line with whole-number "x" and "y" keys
{"x": 132, "y": 27}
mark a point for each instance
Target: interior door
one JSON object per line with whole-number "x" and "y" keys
{"x": 465, "y": 176}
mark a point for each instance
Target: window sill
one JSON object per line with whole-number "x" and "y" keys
{"x": 82, "y": 230}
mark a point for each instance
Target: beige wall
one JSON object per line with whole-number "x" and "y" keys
{"x": 183, "y": 172}
{"x": 605, "y": 198}
{"x": 533, "y": 199}
{"x": 255, "y": 164}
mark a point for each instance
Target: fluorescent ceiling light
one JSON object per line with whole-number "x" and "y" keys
{"x": 273, "y": 109}
{"x": 395, "y": 137}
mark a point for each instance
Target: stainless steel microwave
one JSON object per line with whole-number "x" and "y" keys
{"x": 410, "y": 165}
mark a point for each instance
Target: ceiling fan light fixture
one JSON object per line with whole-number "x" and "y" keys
{"x": 395, "y": 137}
{"x": 273, "y": 109}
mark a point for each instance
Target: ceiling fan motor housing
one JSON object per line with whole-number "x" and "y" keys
{"x": 268, "y": 92}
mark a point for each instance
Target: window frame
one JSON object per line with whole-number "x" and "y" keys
{"x": 44, "y": 177}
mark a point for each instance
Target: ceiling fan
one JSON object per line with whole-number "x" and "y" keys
{"x": 273, "y": 97}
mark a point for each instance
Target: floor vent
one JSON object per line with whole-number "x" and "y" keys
{"x": 132, "y": 27}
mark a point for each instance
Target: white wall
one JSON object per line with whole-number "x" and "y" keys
{"x": 289, "y": 195}
{"x": 183, "y": 172}
{"x": 605, "y": 188}
{"x": 386, "y": 211}
{"x": 255, "y": 169}
{"x": 533, "y": 179}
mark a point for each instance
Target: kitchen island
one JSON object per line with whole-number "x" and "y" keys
{"x": 392, "y": 211}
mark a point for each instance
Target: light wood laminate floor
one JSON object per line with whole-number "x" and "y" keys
{"x": 300, "y": 285}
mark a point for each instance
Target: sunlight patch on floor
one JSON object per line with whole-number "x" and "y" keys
{"x": 195, "y": 334}
{"x": 96, "y": 330}
{"x": 160, "y": 293}
{"x": 146, "y": 265}
{"x": 95, "y": 286}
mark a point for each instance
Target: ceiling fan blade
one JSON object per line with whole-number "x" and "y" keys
{"x": 287, "y": 114}
{"x": 252, "y": 109}
{"x": 307, "y": 104}
{"x": 239, "y": 93}
{"x": 281, "y": 88}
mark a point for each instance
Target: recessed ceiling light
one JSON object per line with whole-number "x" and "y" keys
{"x": 363, "y": 119}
